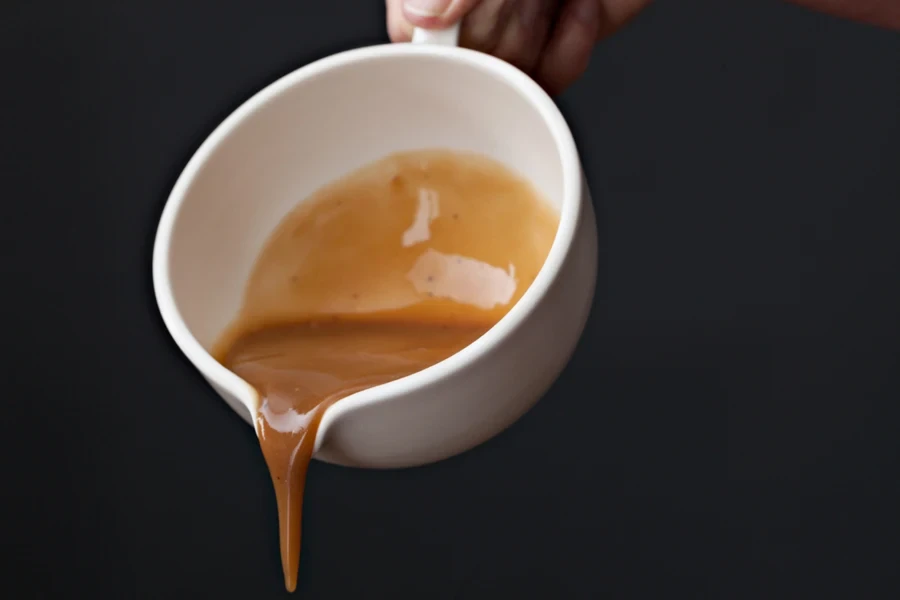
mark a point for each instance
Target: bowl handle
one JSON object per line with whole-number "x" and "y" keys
{"x": 439, "y": 37}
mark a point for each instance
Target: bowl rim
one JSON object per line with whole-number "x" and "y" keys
{"x": 570, "y": 214}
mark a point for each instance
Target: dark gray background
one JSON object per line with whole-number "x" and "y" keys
{"x": 727, "y": 429}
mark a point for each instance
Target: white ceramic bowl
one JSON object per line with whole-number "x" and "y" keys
{"x": 323, "y": 121}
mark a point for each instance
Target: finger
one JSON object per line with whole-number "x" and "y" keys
{"x": 482, "y": 26}
{"x": 568, "y": 51}
{"x": 525, "y": 31}
{"x": 616, "y": 14}
{"x": 399, "y": 29}
{"x": 435, "y": 14}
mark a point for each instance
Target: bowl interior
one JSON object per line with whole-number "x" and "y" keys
{"x": 318, "y": 124}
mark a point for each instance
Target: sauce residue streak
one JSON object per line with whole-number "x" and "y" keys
{"x": 381, "y": 274}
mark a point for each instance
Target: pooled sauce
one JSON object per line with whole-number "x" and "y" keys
{"x": 381, "y": 274}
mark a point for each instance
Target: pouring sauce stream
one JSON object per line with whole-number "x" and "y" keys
{"x": 379, "y": 275}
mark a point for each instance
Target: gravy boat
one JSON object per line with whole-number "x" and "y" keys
{"x": 325, "y": 120}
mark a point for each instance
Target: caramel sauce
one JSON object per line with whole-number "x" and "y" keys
{"x": 380, "y": 274}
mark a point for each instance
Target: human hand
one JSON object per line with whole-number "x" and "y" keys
{"x": 551, "y": 40}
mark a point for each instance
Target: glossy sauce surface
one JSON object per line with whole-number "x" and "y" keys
{"x": 381, "y": 274}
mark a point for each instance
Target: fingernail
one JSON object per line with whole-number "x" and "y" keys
{"x": 427, "y": 8}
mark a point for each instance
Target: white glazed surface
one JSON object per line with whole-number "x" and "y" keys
{"x": 325, "y": 120}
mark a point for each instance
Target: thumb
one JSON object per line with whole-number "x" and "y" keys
{"x": 436, "y": 14}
